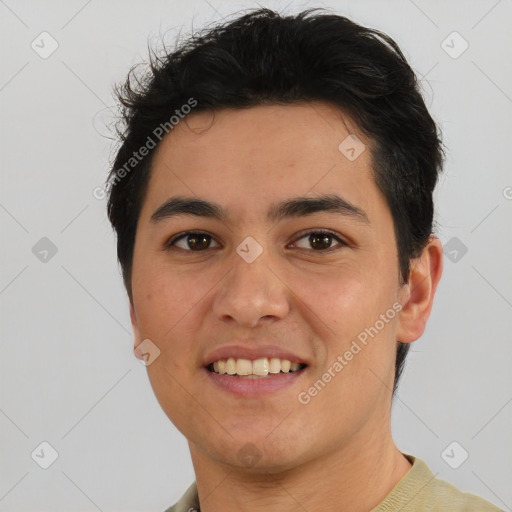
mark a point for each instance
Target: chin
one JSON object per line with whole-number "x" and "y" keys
{"x": 257, "y": 452}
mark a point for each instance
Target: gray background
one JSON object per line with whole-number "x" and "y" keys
{"x": 68, "y": 373}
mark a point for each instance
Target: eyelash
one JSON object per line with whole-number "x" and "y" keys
{"x": 170, "y": 243}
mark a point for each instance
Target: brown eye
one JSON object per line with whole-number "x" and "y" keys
{"x": 320, "y": 240}
{"x": 192, "y": 241}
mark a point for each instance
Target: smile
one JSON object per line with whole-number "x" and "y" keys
{"x": 261, "y": 367}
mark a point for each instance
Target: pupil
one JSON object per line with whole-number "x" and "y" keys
{"x": 317, "y": 241}
{"x": 195, "y": 245}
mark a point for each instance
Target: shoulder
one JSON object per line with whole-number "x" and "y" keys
{"x": 441, "y": 493}
{"x": 420, "y": 491}
{"x": 189, "y": 502}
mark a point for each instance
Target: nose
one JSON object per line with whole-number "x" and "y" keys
{"x": 251, "y": 292}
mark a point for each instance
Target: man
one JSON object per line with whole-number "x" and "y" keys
{"x": 272, "y": 199}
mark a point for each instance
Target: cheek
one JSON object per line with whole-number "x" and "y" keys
{"x": 164, "y": 296}
{"x": 345, "y": 308}
{"x": 162, "y": 303}
{"x": 166, "y": 304}
{"x": 344, "y": 299}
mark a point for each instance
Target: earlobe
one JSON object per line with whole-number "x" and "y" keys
{"x": 135, "y": 327}
{"x": 418, "y": 293}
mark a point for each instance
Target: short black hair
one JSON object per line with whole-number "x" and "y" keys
{"x": 263, "y": 57}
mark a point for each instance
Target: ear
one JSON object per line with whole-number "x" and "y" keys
{"x": 135, "y": 326}
{"x": 417, "y": 296}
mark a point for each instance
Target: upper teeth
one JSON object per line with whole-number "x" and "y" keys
{"x": 263, "y": 366}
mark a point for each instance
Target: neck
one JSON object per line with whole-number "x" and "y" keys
{"x": 354, "y": 478}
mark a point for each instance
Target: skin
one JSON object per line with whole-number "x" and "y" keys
{"x": 335, "y": 453}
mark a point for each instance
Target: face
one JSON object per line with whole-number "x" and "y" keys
{"x": 271, "y": 281}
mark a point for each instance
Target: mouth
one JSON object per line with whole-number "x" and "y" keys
{"x": 261, "y": 368}
{"x": 255, "y": 378}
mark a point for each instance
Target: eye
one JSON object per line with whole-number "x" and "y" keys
{"x": 320, "y": 240}
{"x": 195, "y": 241}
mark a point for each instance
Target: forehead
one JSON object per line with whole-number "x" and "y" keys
{"x": 251, "y": 157}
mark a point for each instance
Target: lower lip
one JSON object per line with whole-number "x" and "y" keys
{"x": 250, "y": 387}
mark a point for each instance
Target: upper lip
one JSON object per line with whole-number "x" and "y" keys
{"x": 252, "y": 353}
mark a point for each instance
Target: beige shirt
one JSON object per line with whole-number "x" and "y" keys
{"x": 417, "y": 491}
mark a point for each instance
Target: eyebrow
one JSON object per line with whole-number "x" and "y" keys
{"x": 289, "y": 208}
